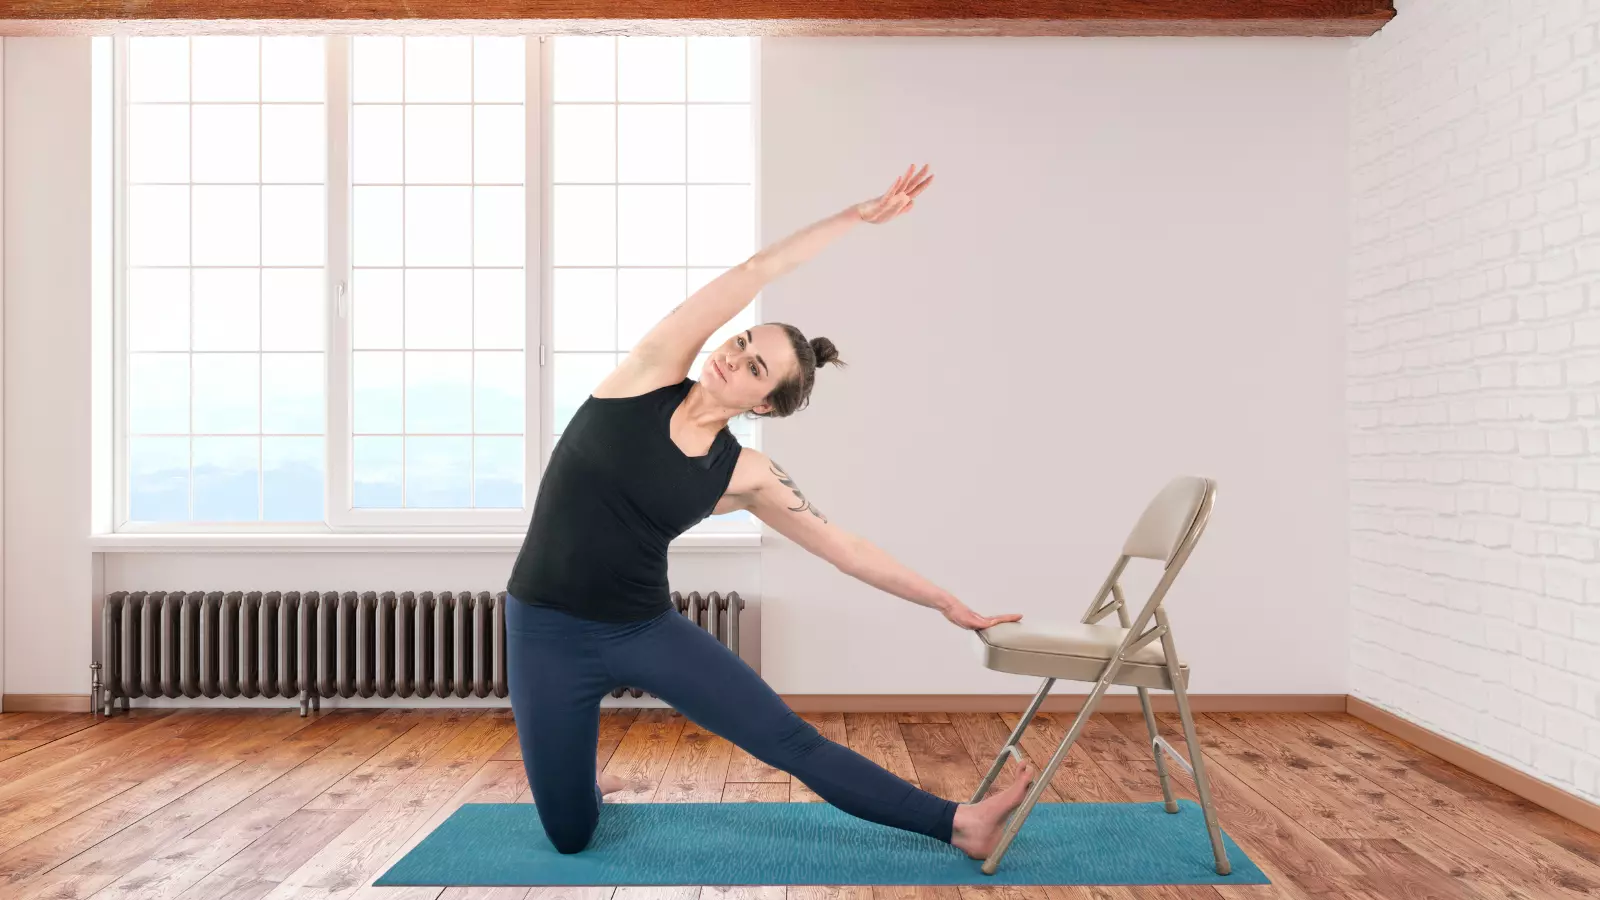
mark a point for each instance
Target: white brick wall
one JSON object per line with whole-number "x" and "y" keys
{"x": 1474, "y": 368}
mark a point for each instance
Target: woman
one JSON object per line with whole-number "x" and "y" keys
{"x": 648, "y": 455}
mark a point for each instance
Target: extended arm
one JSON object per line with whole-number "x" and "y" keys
{"x": 684, "y": 331}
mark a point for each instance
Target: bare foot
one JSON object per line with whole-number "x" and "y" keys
{"x": 610, "y": 783}
{"x": 978, "y": 825}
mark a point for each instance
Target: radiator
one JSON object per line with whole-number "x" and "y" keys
{"x": 316, "y": 644}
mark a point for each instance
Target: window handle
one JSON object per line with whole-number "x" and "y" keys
{"x": 340, "y": 302}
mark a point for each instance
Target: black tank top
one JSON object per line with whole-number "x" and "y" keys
{"x": 616, "y": 492}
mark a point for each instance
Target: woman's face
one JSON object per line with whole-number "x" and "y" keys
{"x": 748, "y": 366}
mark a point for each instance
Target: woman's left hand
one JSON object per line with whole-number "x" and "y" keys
{"x": 898, "y": 199}
{"x": 966, "y": 618}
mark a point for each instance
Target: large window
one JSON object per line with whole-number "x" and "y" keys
{"x": 366, "y": 281}
{"x": 225, "y": 279}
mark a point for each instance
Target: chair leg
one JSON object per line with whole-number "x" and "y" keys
{"x": 1201, "y": 782}
{"x": 1014, "y": 741}
{"x": 1161, "y": 759}
{"x": 1014, "y": 823}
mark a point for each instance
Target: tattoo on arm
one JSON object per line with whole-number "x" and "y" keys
{"x": 788, "y": 482}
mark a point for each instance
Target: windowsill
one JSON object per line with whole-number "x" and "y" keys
{"x": 506, "y": 542}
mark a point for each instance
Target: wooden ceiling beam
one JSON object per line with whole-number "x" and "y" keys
{"x": 1321, "y": 18}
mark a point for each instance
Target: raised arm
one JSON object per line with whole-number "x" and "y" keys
{"x": 683, "y": 332}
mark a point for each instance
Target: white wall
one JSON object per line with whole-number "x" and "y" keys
{"x": 1474, "y": 355}
{"x": 46, "y": 380}
{"x": 1131, "y": 266}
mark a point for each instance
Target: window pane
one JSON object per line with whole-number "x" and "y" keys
{"x": 158, "y": 393}
{"x": 292, "y": 218}
{"x": 158, "y": 143}
{"x": 438, "y": 472}
{"x": 291, "y": 393}
{"x": 294, "y": 144}
{"x": 158, "y": 225}
{"x": 438, "y": 309}
{"x": 376, "y": 69}
{"x": 576, "y": 375}
{"x": 379, "y": 226}
{"x": 499, "y": 226}
{"x": 293, "y": 309}
{"x": 375, "y": 473}
{"x": 499, "y": 144}
{"x": 720, "y": 146}
{"x": 499, "y": 71}
{"x": 438, "y": 392}
{"x": 227, "y": 143}
{"x": 158, "y": 309}
{"x": 650, "y": 69}
{"x": 438, "y": 226}
{"x": 292, "y": 479}
{"x": 650, "y": 225}
{"x": 719, "y": 69}
{"x": 644, "y": 297}
{"x": 498, "y": 388}
{"x": 158, "y": 69}
{"x": 227, "y": 393}
{"x": 721, "y": 225}
{"x": 499, "y": 302}
{"x": 584, "y": 231}
{"x": 227, "y": 225}
{"x": 438, "y": 144}
{"x": 438, "y": 69}
{"x": 497, "y": 472}
{"x": 585, "y": 312}
{"x": 227, "y": 476}
{"x": 378, "y": 296}
{"x": 226, "y": 68}
{"x": 583, "y": 144}
{"x": 227, "y": 309}
{"x": 376, "y": 388}
{"x": 158, "y": 479}
{"x": 585, "y": 68}
{"x": 650, "y": 143}
{"x": 377, "y": 144}
{"x": 293, "y": 68}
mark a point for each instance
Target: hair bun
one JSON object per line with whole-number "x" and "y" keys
{"x": 825, "y": 351}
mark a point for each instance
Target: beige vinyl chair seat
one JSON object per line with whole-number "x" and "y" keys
{"x": 1074, "y": 651}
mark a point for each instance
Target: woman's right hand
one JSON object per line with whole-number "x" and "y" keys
{"x": 897, "y": 199}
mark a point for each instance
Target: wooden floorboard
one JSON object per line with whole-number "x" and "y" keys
{"x": 263, "y": 804}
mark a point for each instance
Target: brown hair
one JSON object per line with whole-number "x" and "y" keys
{"x": 794, "y": 394}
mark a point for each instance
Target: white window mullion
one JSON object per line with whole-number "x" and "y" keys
{"x": 538, "y": 419}
{"x": 338, "y": 459}
{"x": 119, "y": 270}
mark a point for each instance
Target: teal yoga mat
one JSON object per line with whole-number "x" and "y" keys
{"x": 813, "y": 843}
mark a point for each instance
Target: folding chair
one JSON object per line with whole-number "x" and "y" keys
{"x": 1133, "y": 654}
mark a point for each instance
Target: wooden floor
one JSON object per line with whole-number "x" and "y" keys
{"x": 251, "y": 803}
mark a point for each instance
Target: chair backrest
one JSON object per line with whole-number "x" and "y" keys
{"x": 1166, "y": 532}
{"x": 1181, "y": 507}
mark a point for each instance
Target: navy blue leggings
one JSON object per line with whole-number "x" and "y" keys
{"x": 561, "y": 665}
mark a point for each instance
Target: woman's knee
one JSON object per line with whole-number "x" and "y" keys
{"x": 570, "y": 837}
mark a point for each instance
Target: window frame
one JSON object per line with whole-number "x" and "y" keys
{"x": 339, "y": 517}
